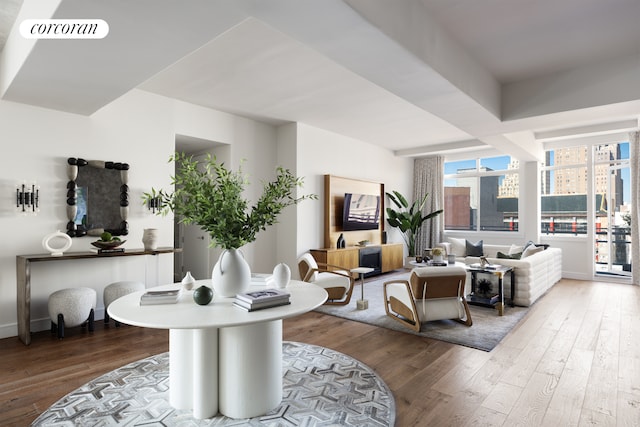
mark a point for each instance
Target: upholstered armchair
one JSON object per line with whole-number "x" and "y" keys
{"x": 337, "y": 281}
{"x": 432, "y": 293}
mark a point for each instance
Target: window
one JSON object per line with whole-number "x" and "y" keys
{"x": 481, "y": 194}
{"x": 564, "y": 191}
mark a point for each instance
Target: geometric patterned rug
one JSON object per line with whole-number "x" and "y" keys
{"x": 321, "y": 387}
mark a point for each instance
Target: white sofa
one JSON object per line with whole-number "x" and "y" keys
{"x": 535, "y": 274}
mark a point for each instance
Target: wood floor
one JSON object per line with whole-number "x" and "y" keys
{"x": 574, "y": 360}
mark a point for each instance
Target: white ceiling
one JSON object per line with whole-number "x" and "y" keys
{"x": 414, "y": 76}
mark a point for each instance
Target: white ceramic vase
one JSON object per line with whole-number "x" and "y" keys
{"x": 150, "y": 239}
{"x": 188, "y": 281}
{"x": 281, "y": 275}
{"x": 231, "y": 274}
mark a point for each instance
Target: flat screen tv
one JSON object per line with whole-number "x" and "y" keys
{"x": 360, "y": 212}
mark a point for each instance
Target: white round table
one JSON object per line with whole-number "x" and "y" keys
{"x": 221, "y": 358}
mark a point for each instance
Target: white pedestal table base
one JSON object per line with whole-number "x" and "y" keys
{"x": 193, "y": 371}
{"x": 250, "y": 369}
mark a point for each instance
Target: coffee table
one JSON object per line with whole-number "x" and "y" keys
{"x": 500, "y": 271}
{"x": 221, "y": 358}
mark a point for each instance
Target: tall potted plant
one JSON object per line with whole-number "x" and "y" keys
{"x": 211, "y": 197}
{"x": 408, "y": 218}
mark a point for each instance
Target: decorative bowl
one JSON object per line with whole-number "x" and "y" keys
{"x": 107, "y": 245}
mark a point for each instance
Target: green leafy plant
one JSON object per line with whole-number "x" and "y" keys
{"x": 211, "y": 197}
{"x": 408, "y": 218}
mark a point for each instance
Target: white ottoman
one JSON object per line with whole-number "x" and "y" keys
{"x": 71, "y": 307}
{"x": 116, "y": 290}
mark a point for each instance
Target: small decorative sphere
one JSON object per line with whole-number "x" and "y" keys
{"x": 203, "y": 295}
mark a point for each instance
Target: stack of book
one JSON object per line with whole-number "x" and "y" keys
{"x": 258, "y": 300}
{"x": 170, "y": 296}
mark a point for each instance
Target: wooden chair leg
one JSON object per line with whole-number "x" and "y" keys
{"x": 468, "y": 321}
{"x": 117, "y": 324}
{"x": 54, "y": 328}
{"x": 106, "y": 316}
{"x": 91, "y": 320}
{"x": 60, "y": 326}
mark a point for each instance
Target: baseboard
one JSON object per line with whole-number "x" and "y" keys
{"x": 9, "y": 330}
{"x": 576, "y": 275}
{"x": 44, "y": 324}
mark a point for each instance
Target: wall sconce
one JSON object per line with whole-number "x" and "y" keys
{"x": 154, "y": 204}
{"x": 28, "y": 198}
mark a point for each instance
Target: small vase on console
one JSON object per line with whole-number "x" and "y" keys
{"x": 341, "y": 243}
{"x": 150, "y": 239}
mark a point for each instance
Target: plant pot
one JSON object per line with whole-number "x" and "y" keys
{"x": 231, "y": 274}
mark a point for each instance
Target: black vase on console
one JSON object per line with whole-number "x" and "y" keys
{"x": 341, "y": 243}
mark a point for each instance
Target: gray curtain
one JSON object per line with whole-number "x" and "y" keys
{"x": 428, "y": 177}
{"x": 634, "y": 156}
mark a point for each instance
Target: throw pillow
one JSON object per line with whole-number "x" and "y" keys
{"x": 458, "y": 247}
{"x": 514, "y": 249}
{"x": 510, "y": 256}
{"x": 530, "y": 250}
{"x": 540, "y": 245}
{"x": 474, "y": 249}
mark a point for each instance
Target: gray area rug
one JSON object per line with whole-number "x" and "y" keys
{"x": 321, "y": 387}
{"x": 487, "y": 331}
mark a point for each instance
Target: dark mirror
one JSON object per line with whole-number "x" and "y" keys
{"x": 97, "y": 197}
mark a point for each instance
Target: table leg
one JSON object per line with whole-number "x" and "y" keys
{"x": 500, "y": 304}
{"x": 513, "y": 288}
{"x": 23, "y": 286}
{"x": 193, "y": 371}
{"x": 362, "y": 304}
{"x": 180, "y": 368}
{"x": 473, "y": 282}
{"x": 250, "y": 369}
{"x": 205, "y": 373}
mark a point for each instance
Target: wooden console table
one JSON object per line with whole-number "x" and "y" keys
{"x": 23, "y": 275}
{"x": 349, "y": 258}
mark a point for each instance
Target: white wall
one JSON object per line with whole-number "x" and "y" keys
{"x": 320, "y": 152}
{"x": 139, "y": 129}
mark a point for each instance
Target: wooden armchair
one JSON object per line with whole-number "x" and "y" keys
{"x": 337, "y": 281}
{"x": 432, "y": 293}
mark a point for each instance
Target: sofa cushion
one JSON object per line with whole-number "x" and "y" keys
{"x": 530, "y": 250}
{"x": 540, "y": 245}
{"x": 516, "y": 255}
{"x": 458, "y": 247}
{"x": 474, "y": 249}
{"x": 514, "y": 249}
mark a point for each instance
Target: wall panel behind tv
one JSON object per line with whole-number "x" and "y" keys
{"x": 334, "y": 189}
